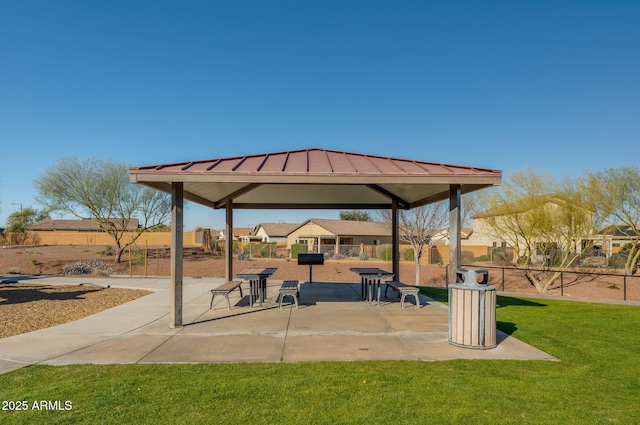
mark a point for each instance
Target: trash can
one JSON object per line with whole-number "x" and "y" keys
{"x": 472, "y": 310}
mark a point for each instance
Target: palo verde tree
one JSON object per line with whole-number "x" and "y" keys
{"x": 545, "y": 221}
{"x": 615, "y": 194}
{"x": 18, "y": 221}
{"x": 100, "y": 190}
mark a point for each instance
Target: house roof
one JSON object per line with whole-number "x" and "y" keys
{"x": 465, "y": 233}
{"x": 314, "y": 178}
{"x": 85, "y": 224}
{"x": 350, "y": 228}
{"x": 620, "y": 230}
{"x": 275, "y": 229}
{"x": 239, "y": 231}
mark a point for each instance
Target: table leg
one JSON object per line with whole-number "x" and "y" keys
{"x": 262, "y": 289}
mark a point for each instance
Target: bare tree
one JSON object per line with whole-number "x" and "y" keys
{"x": 100, "y": 190}
{"x": 419, "y": 227}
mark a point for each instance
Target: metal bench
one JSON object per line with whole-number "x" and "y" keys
{"x": 225, "y": 289}
{"x": 289, "y": 287}
{"x": 403, "y": 290}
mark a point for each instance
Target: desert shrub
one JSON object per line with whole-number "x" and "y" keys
{"x": 137, "y": 254}
{"x": 338, "y": 256}
{"x": 363, "y": 256}
{"x": 298, "y": 248}
{"x": 387, "y": 254}
{"x": 482, "y": 258}
{"x": 106, "y": 251}
{"x": 500, "y": 257}
{"x": 618, "y": 260}
{"x": 467, "y": 257}
{"x": 409, "y": 254}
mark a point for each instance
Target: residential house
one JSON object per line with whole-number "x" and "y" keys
{"x": 526, "y": 211}
{"x": 611, "y": 239}
{"x": 273, "y": 232}
{"x": 339, "y": 236}
{"x": 242, "y": 234}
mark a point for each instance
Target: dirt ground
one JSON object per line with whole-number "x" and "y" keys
{"x": 25, "y": 308}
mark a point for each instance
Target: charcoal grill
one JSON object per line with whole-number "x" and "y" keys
{"x": 310, "y": 260}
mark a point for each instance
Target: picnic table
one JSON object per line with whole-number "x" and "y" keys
{"x": 369, "y": 278}
{"x": 257, "y": 278}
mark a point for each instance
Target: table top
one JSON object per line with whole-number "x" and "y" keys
{"x": 363, "y": 271}
{"x": 257, "y": 273}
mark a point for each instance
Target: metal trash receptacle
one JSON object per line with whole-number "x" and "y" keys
{"x": 472, "y": 310}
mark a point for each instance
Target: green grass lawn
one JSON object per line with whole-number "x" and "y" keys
{"x": 596, "y": 380}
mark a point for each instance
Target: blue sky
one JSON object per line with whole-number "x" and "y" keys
{"x": 553, "y": 85}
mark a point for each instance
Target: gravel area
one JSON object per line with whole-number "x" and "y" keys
{"x": 29, "y": 307}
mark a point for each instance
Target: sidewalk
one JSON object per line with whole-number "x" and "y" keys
{"x": 332, "y": 324}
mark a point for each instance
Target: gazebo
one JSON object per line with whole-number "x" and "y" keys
{"x": 309, "y": 179}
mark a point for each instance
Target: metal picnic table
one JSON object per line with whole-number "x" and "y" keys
{"x": 369, "y": 278}
{"x": 257, "y": 278}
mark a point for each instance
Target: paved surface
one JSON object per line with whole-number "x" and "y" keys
{"x": 332, "y": 324}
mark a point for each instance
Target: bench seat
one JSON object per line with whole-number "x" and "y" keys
{"x": 403, "y": 290}
{"x": 289, "y": 288}
{"x": 225, "y": 289}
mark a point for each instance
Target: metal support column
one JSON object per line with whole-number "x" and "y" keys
{"x": 455, "y": 254}
{"x": 228, "y": 241}
{"x": 177, "y": 224}
{"x": 395, "y": 240}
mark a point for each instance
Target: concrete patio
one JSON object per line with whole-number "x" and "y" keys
{"x": 332, "y": 324}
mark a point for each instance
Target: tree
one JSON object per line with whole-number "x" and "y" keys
{"x": 101, "y": 191}
{"x": 615, "y": 194}
{"x": 355, "y": 215}
{"x": 19, "y": 221}
{"x": 419, "y": 227}
{"x": 540, "y": 218}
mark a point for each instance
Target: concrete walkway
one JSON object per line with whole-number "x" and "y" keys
{"x": 332, "y": 324}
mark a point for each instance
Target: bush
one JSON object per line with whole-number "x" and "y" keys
{"x": 298, "y": 248}
{"x": 106, "y": 251}
{"x": 467, "y": 257}
{"x": 500, "y": 257}
{"x": 387, "y": 254}
{"x": 409, "y": 254}
{"x": 363, "y": 256}
{"x": 482, "y": 259}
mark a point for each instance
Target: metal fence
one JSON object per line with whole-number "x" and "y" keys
{"x": 575, "y": 283}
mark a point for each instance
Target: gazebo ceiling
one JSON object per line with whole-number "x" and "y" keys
{"x": 314, "y": 179}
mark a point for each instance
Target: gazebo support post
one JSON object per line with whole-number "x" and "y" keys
{"x": 177, "y": 220}
{"x": 454, "y": 231}
{"x": 228, "y": 241}
{"x": 395, "y": 240}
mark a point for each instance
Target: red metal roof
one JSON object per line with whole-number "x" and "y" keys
{"x": 314, "y": 178}
{"x": 315, "y": 161}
